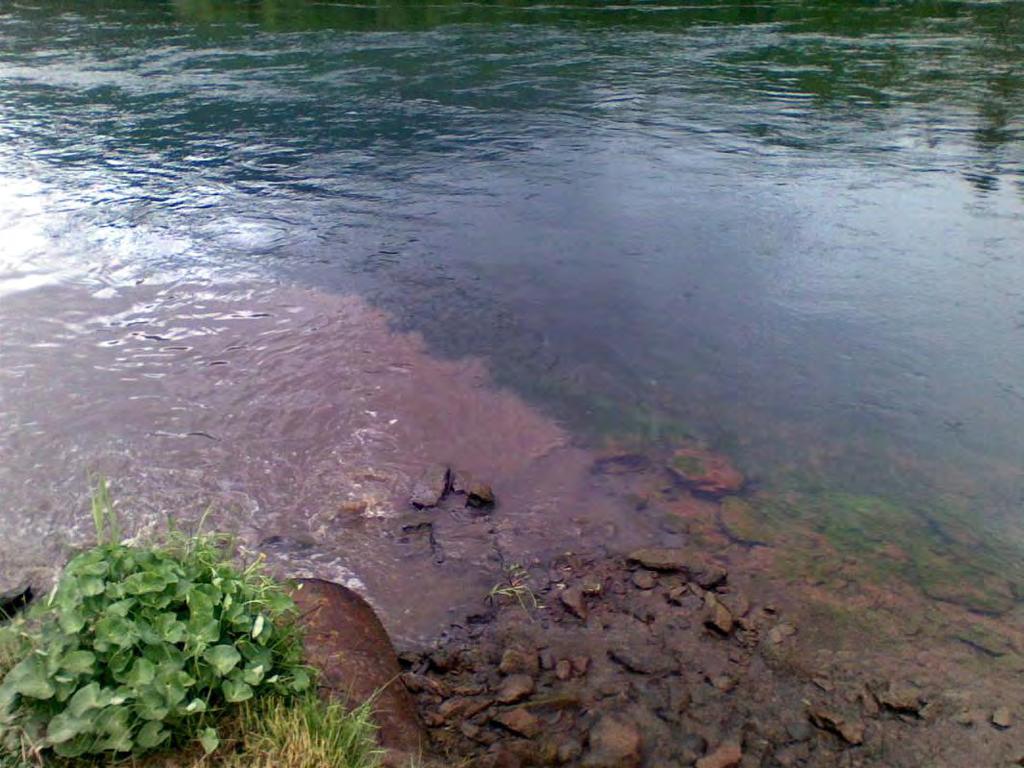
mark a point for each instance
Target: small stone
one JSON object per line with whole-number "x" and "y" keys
{"x": 461, "y": 481}
{"x": 1002, "y": 718}
{"x": 717, "y": 616}
{"x": 431, "y": 487}
{"x": 515, "y": 660}
{"x": 519, "y": 721}
{"x": 780, "y": 632}
{"x": 563, "y": 669}
{"x": 676, "y": 595}
{"x": 480, "y": 495}
{"x": 902, "y": 699}
{"x": 572, "y": 598}
{"x": 705, "y": 573}
{"x": 824, "y": 684}
{"x": 643, "y": 659}
{"x": 469, "y": 730}
{"x": 724, "y": 683}
{"x": 515, "y": 688}
{"x": 726, "y": 756}
{"x": 643, "y": 580}
{"x": 423, "y": 684}
{"x": 868, "y": 702}
{"x": 614, "y": 743}
{"x": 849, "y": 729}
{"x": 547, "y": 659}
{"x": 461, "y": 707}
{"x": 580, "y": 665}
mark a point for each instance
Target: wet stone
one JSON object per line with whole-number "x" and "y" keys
{"x": 431, "y": 487}
{"x": 717, "y": 616}
{"x": 726, "y": 756}
{"x": 480, "y": 495}
{"x": 643, "y": 580}
{"x": 642, "y": 659}
{"x": 850, "y": 730}
{"x": 902, "y": 699}
{"x": 516, "y": 660}
{"x": 515, "y": 688}
{"x": 705, "y": 472}
{"x": 614, "y": 743}
{"x": 519, "y": 721}
{"x": 563, "y": 669}
{"x": 572, "y": 598}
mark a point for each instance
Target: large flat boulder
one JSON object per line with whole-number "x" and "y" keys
{"x": 345, "y": 640}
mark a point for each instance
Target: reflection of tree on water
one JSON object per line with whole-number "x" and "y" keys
{"x": 824, "y": 65}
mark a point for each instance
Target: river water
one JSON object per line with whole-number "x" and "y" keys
{"x": 275, "y": 256}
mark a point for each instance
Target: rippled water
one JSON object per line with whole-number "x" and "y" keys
{"x": 795, "y": 230}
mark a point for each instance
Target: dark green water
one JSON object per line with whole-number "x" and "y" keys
{"x": 794, "y": 229}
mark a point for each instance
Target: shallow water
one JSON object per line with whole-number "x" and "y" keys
{"x": 794, "y": 231}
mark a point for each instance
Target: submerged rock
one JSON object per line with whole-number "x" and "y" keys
{"x": 520, "y": 722}
{"x": 850, "y": 730}
{"x": 697, "y": 569}
{"x": 572, "y": 598}
{"x": 515, "y": 688}
{"x": 717, "y": 615}
{"x": 480, "y": 495}
{"x": 902, "y": 699}
{"x": 726, "y": 756}
{"x": 1002, "y": 718}
{"x": 705, "y": 472}
{"x": 614, "y": 743}
{"x": 431, "y": 487}
{"x": 345, "y": 640}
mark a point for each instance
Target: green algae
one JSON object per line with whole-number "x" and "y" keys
{"x": 941, "y": 548}
{"x": 690, "y": 466}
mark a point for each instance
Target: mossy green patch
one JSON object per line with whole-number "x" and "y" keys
{"x": 690, "y": 466}
{"x": 748, "y": 523}
{"x": 939, "y": 547}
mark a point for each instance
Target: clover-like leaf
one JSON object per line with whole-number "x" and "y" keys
{"x": 209, "y": 739}
{"x": 28, "y": 677}
{"x": 65, "y": 726}
{"x": 236, "y": 691}
{"x": 223, "y": 658}
{"x": 152, "y": 734}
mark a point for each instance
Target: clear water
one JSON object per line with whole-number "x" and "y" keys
{"x": 795, "y": 230}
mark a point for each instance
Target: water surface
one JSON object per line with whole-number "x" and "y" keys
{"x": 793, "y": 230}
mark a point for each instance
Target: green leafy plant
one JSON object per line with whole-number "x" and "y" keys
{"x": 514, "y": 587}
{"x": 142, "y": 647}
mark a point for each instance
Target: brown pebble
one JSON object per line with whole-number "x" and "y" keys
{"x": 563, "y": 669}
{"x": 726, "y": 756}
{"x": 1002, "y": 718}
{"x": 515, "y": 688}
{"x": 519, "y": 721}
{"x": 643, "y": 579}
{"x": 572, "y": 598}
{"x": 515, "y": 660}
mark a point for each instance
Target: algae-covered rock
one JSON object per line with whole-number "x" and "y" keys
{"x": 747, "y": 523}
{"x": 706, "y": 472}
